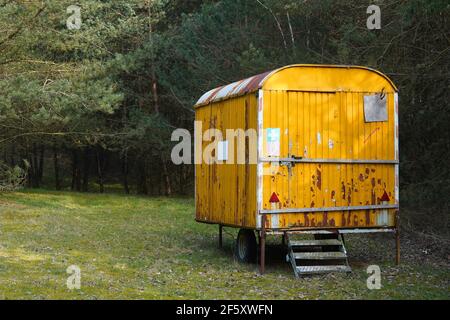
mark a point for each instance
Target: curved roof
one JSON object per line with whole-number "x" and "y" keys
{"x": 251, "y": 84}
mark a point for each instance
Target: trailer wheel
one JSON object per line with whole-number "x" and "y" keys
{"x": 245, "y": 249}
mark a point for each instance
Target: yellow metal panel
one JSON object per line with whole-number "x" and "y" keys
{"x": 321, "y": 78}
{"x": 226, "y": 193}
{"x": 328, "y": 123}
{"x": 320, "y": 114}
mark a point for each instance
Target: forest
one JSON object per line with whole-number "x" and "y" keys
{"x": 91, "y": 108}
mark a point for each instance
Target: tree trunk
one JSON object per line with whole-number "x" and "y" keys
{"x": 142, "y": 177}
{"x": 86, "y": 166}
{"x": 166, "y": 177}
{"x": 30, "y": 174}
{"x": 35, "y": 167}
{"x": 76, "y": 181}
{"x": 125, "y": 173}
{"x": 100, "y": 169}
{"x": 12, "y": 158}
{"x": 56, "y": 167}
{"x": 40, "y": 172}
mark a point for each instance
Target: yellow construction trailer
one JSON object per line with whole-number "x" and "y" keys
{"x": 323, "y": 159}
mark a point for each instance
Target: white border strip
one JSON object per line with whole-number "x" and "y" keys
{"x": 259, "y": 173}
{"x": 332, "y": 231}
{"x": 396, "y": 149}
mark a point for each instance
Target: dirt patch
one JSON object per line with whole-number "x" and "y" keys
{"x": 415, "y": 248}
{"x": 8, "y": 204}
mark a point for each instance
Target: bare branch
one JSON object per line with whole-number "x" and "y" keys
{"x": 276, "y": 20}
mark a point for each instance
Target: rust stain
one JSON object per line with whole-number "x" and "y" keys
{"x": 319, "y": 178}
{"x": 332, "y": 222}
{"x": 355, "y": 220}
{"x": 361, "y": 177}
{"x": 368, "y": 137}
{"x": 367, "y": 217}
{"x": 234, "y": 89}
{"x": 373, "y": 182}
{"x": 306, "y": 219}
{"x": 214, "y": 173}
{"x": 333, "y": 193}
{"x": 343, "y": 190}
{"x": 373, "y": 197}
{"x": 237, "y": 188}
{"x": 343, "y": 219}
{"x": 312, "y": 204}
{"x": 325, "y": 219}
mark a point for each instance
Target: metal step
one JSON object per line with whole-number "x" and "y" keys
{"x": 305, "y": 259}
{"x": 322, "y": 269}
{"x": 311, "y": 243}
{"x": 320, "y": 255}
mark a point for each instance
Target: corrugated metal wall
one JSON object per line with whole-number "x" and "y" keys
{"x": 226, "y": 193}
{"x": 328, "y": 125}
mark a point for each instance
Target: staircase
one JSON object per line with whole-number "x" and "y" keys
{"x": 317, "y": 256}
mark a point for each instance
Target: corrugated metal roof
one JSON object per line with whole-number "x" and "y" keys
{"x": 254, "y": 83}
{"x": 234, "y": 89}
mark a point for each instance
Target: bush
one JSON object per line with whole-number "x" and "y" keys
{"x": 11, "y": 178}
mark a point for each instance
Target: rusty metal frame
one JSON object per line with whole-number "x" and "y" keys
{"x": 331, "y": 231}
{"x": 309, "y": 160}
{"x": 328, "y": 209}
{"x": 262, "y": 243}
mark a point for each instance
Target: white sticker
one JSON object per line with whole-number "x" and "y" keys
{"x": 222, "y": 151}
{"x": 273, "y": 142}
{"x": 330, "y": 144}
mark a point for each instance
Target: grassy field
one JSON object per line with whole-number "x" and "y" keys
{"x": 131, "y": 247}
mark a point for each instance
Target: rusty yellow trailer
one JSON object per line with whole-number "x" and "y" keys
{"x": 320, "y": 153}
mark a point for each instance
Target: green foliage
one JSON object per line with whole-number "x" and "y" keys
{"x": 133, "y": 70}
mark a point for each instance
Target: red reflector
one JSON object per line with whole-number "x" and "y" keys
{"x": 385, "y": 197}
{"x": 274, "y": 198}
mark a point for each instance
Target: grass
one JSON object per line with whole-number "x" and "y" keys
{"x": 131, "y": 247}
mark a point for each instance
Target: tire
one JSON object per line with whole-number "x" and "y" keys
{"x": 245, "y": 248}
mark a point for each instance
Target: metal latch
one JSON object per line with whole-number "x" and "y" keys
{"x": 289, "y": 163}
